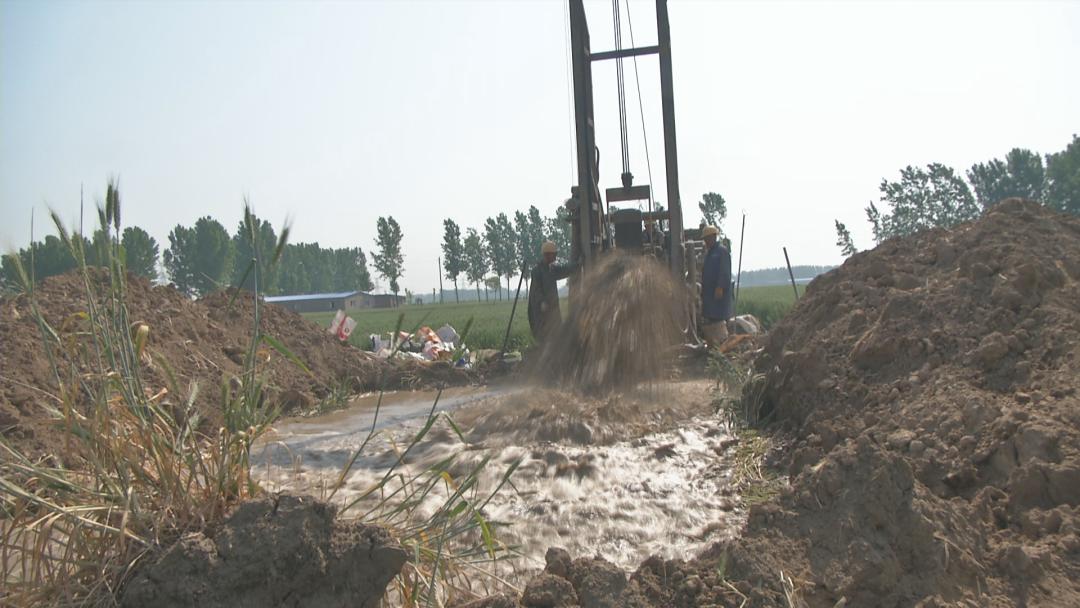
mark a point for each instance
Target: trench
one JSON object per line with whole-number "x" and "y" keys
{"x": 623, "y": 477}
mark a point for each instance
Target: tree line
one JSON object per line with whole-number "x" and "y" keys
{"x": 51, "y": 256}
{"x": 937, "y": 197}
{"x": 779, "y": 275}
{"x": 205, "y": 257}
{"x": 501, "y": 246}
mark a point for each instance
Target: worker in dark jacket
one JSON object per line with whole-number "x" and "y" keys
{"x": 544, "y": 314}
{"x": 715, "y": 288}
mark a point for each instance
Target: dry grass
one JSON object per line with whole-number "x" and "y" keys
{"x": 756, "y": 482}
{"x": 136, "y": 470}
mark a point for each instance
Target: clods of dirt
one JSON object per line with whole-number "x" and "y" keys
{"x": 584, "y": 582}
{"x": 275, "y": 551}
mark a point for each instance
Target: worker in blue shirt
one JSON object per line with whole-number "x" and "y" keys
{"x": 715, "y": 288}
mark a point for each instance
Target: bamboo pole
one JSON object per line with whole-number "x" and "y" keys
{"x": 738, "y": 277}
{"x": 506, "y": 338}
{"x": 791, "y": 275}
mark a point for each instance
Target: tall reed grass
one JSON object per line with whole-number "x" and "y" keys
{"x": 139, "y": 467}
{"x": 436, "y": 515}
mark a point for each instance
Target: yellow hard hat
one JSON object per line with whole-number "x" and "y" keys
{"x": 710, "y": 231}
{"x": 548, "y": 247}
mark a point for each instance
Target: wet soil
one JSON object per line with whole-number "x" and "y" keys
{"x": 202, "y": 341}
{"x": 276, "y": 551}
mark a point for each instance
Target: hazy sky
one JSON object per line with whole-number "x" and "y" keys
{"x": 333, "y": 114}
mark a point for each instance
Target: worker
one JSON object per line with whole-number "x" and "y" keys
{"x": 715, "y": 288}
{"x": 652, "y": 239}
{"x": 544, "y": 314}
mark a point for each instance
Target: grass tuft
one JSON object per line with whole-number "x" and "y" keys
{"x": 756, "y": 482}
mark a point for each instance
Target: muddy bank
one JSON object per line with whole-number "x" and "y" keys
{"x": 277, "y": 551}
{"x": 929, "y": 388}
{"x": 203, "y": 341}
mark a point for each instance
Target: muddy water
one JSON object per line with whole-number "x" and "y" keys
{"x": 622, "y": 477}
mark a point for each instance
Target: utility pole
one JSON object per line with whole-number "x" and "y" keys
{"x": 439, "y": 262}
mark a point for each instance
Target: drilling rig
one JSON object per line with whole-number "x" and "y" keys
{"x": 597, "y": 229}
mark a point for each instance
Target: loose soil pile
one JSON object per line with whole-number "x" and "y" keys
{"x": 930, "y": 390}
{"x": 203, "y": 341}
{"x": 619, "y": 331}
{"x": 277, "y": 551}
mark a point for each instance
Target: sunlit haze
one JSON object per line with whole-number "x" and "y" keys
{"x": 332, "y": 114}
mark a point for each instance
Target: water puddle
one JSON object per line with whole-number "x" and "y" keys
{"x": 307, "y": 438}
{"x": 621, "y": 477}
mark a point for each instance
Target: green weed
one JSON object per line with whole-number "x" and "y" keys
{"x": 756, "y": 482}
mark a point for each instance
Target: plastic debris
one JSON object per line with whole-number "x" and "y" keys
{"x": 447, "y": 333}
{"x": 426, "y": 344}
{"x": 341, "y": 326}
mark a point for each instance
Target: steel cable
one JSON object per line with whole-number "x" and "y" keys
{"x": 641, "y": 107}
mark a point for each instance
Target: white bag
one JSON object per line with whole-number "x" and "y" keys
{"x": 447, "y": 333}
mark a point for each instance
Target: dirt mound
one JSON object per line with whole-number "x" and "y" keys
{"x": 202, "y": 341}
{"x": 929, "y": 389}
{"x": 620, "y": 330}
{"x": 945, "y": 365}
{"x": 281, "y": 551}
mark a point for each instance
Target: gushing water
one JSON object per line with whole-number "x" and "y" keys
{"x": 620, "y": 328}
{"x": 623, "y": 477}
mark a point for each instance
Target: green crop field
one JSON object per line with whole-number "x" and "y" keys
{"x": 768, "y": 303}
{"x": 489, "y": 319}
